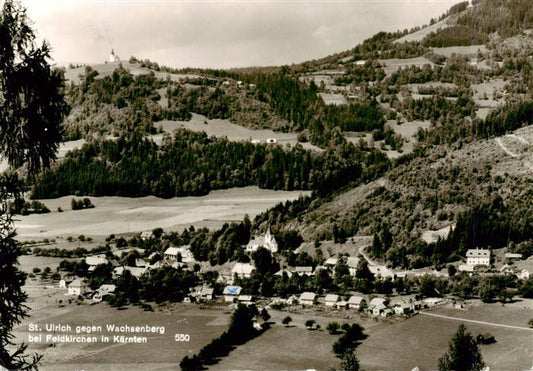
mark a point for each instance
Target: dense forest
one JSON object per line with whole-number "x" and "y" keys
{"x": 193, "y": 164}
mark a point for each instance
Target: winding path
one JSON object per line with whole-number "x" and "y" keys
{"x": 498, "y": 140}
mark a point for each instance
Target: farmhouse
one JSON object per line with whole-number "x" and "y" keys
{"x": 283, "y": 271}
{"x": 102, "y": 292}
{"x": 513, "y": 256}
{"x": 245, "y": 299}
{"x": 207, "y": 293}
{"x": 77, "y": 287}
{"x": 330, "y": 263}
{"x": 331, "y": 300}
{"x": 267, "y": 241}
{"x": 376, "y": 306}
{"x": 432, "y": 302}
{"x": 343, "y": 304}
{"x": 93, "y": 261}
{"x": 307, "y": 298}
{"x": 403, "y": 308}
{"x": 231, "y": 293}
{"x": 66, "y": 279}
{"x": 182, "y": 254}
{"x": 381, "y": 271}
{"x": 355, "y": 302}
{"x": 352, "y": 263}
{"x": 135, "y": 271}
{"x": 377, "y": 310}
{"x": 146, "y": 235}
{"x": 303, "y": 271}
{"x": 478, "y": 257}
{"x": 242, "y": 270}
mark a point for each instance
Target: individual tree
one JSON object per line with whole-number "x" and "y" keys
{"x": 463, "y": 353}
{"x": 264, "y": 262}
{"x": 363, "y": 272}
{"x": 32, "y": 107}
{"x": 288, "y": 320}
{"x": 349, "y": 362}
{"x": 309, "y": 323}
{"x": 332, "y": 327}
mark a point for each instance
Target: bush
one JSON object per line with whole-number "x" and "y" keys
{"x": 485, "y": 338}
{"x": 333, "y": 328}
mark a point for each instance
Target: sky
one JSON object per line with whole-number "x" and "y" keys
{"x": 218, "y": 34}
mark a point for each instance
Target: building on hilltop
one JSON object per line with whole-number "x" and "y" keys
{"x": 478, "y": 257}
{"x": 113, "y": 57}
{"x": 267, "y": 241}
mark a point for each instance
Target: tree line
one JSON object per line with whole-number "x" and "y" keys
{"x": 193, "y": 164}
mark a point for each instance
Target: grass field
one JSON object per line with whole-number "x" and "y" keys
{"x": 469, "y": 51}
{"x": 28, "y": 262}
{"x": 333, "y": 99}
{"x": 422, "y": 340}
{"x": 420, "y": 34}
{"x": 160, "y": 352}
{"x": 126, "y": 215}
{"x": 289, "y": 348}
{"x": 106, "y": 69}
{"x": 393, "y": 65}
{"x": 224, "y": 128}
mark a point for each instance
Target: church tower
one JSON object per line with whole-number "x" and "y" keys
{"x": 113, "y": 57}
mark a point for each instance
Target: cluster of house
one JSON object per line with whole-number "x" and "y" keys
{"x": 245, "y": 270}
{"x": 377, "y": 306}
{"x": 482, "y": 258}
{"x": 79, "y": 286}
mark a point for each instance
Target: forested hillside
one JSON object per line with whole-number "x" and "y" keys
{"x": 193, "y": 164}
{"x": 451, "y": 171}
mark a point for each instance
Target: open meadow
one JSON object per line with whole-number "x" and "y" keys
{"x": 106, "y": 69}
{"x": 161, "y": 351}
{"x": 422, "y": 340}
{"x": 127, "y": 215}
{"x": 233, "y": 132}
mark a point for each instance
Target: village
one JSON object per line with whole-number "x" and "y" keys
{"x": 232, "y": 284}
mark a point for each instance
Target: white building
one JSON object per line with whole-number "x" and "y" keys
{"x": 93, "y": 261}
{"x": 355, "y": 302}
{"x": 113, "y": 57}
{"x": 174, "y": 254}
{"x": 77, "y": 287}
{"x": 307, "y": 298}
{"x": 242, "y": 270}
{"x": 231, "y": 293}
{"x": 102, "y": 292}
{"x": 303, "y": 271}
{"x": 478, "y": 257}
{"x": 331, "y": 300}
{"x": 267, "y": 241}
{"x": 352, "y": 263}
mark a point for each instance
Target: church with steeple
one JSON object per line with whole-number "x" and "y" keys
{"x": 113, "y": 57}
{"x": 267, "y": 241}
